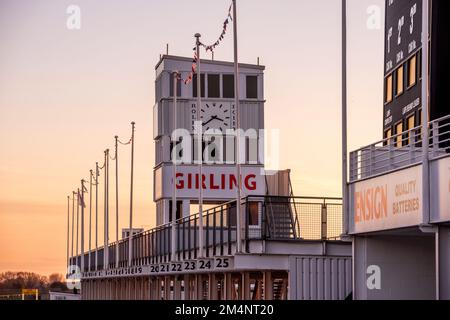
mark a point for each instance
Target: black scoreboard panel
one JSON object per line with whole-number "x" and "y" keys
{"x": 403, "y": 33}
{"x": 403, "y": 45}
{"x": 440, "y": 60}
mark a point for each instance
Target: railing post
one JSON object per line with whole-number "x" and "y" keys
{"x": 221, "y": 230}
{"x": 178, "y": 241}
{"x": 352, "y": 166}
{"x": 173, "y": 239}
{"x": 189, "y": 238}
{"x": 214, "y": 231}
{"x": 195, "y": 236}
{"x": 207, "y": 234}
{"x": 324, "y": 216}
{"x": 153, "y": 254}
{"x": 167, "y": 232}
{"x": 246, "y": 226}
{"x": 391, "y": 154}
{"x": 412, "y": 146}
{"x": 435, "y": 130}
{"x": 229, "y": 229}
{"x": 184, "y": 238}
{"x": 264, "y": 221}
{"x": 371, "y": 161}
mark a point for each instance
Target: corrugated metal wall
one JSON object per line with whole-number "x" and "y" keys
{"x": 320, "y": 278}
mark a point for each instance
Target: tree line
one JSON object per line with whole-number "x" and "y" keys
{"x": 16, "y": 281}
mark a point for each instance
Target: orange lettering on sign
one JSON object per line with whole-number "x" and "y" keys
{"x": 371, "y": 204}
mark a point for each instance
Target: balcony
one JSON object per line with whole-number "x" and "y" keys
{"x": 265, "y": 219}
{"x": 400, "y": 151}
{"x": 388, "y": 189}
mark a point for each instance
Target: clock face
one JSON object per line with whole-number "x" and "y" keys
{"x": 217, "y": 115}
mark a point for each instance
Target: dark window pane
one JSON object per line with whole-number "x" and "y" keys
{"x": 202, "y": 85}
{"x": 253, "y": 219}
{"x": 231, "y": 215}
{"x": 177, "y": 212}
{"x": 171, "y": 85}
{"x": 213, "y": 86}
{"x": 252, "y": 87}
{"x": 228, "y": 85}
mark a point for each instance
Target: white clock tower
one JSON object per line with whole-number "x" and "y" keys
{"x": 218, "y": 120}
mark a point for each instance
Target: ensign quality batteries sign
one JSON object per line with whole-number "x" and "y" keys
{"x": 218, "y": 182}
{"x": 387, "y": 202}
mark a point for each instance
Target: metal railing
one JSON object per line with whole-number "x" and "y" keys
{"x": 265, "y": 218}
{"x": 400, "y": 151}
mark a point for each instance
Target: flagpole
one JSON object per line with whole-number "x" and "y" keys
{"x": 107, "y": 207}
{"x": 238, "y": 127}
{"x": 105, "y": 216}
{"x": 73, "y": 223}
{"x": 426, "y": 218}
{"x": 90, "y": 218}
{"x": 97, "y": 174}
{"x": 199, "y": 149}
{"x": 117, "y": 200}
{"x": 68, "y": 229}
{"x": 78, "y": 206}
{"x": 344, "y": 119}
{"x": 174, "y": 166}
{"x": 82, "y": 225}
{"x": 130, "y": 236}
{"x": 425, "y": 113}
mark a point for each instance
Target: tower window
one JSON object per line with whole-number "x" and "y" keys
{"x": 213, "y": 86}
{"x": 228, "y": 85}
{"x": 252, "y": 87}
{"x": 400, "y": 80}
{"x": 389, "y": 88}
{"x": 412, "y": 71}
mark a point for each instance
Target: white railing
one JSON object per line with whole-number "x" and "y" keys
{"x": 400, "y": 151}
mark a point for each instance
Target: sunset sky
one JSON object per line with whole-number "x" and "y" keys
{"x": 64, "y": 94}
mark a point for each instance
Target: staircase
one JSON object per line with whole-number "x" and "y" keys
{"x": 280, "y": 211}
{"x": 278, "y": 289}
{"x": 279, "y": 218}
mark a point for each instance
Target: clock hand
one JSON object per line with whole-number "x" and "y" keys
{"x": 208, "y": 121}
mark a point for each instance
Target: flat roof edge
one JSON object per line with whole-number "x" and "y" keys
{"x": 207, "y": 61}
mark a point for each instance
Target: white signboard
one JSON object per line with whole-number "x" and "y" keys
{"x": 217, "y": 264}
{"x": 440, "y": 190}
{"x": 219, "y": 182}
{"x": 387, "y": 202}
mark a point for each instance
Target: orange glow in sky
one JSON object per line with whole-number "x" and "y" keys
{"x": 65, "y": 94}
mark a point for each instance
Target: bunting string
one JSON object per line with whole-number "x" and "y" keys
{"x": 190, "y": 76}
{"x": 210, "y": 47}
